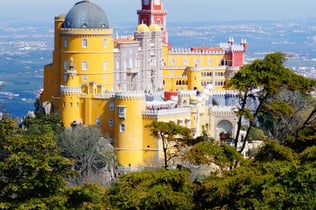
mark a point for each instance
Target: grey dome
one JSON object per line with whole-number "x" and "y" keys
{"x": 86, "y": 14}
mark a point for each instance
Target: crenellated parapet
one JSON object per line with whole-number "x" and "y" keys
{"x": 186, "y": 93}
{"x": 108, "y": 95}
{"x": 130, "y": 95}
{"x": 232, "y": 93}
{"x": 65, "y": 90}
{"x": 86, "y": 31}
{"x": 166, "y": 112}
{"x": 222, "y": 111}
{"x": 197, "y": 51}
{"x": 228, "y": 47}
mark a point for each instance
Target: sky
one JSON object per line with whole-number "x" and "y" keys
{"x": 119, "y": 11}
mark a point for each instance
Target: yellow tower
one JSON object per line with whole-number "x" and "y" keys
{"x": 194, "y": 78}
{"x": 128, "y": 128}
{"x": 83, "y": 39}
{"x": 70, "y": 96}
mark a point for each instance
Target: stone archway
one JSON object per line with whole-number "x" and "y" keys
{"x": 224, "y": 130}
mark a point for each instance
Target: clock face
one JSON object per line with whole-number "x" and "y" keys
{"x": 157, "y": 2}
{"x": 146, "y": 2}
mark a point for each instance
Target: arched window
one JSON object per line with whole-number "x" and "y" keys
{"x": 84, "y": 65}
{"x": 84, "y": 43}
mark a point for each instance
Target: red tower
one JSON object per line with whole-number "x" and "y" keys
{"x": 152, "y": 12}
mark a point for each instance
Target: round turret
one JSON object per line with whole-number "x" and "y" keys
{"x": 142, "y": 28}
{"x": 154, "y": 27}
{"x": 86, "y": 14}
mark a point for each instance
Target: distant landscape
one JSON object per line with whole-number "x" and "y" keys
{"x": 26, "y": 47}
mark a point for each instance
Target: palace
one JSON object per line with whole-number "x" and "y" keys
{"x": 123, "y": 84}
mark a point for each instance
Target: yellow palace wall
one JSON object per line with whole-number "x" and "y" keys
{"x": 177, "y": 66}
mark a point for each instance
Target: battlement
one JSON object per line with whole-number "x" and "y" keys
{"x": 186, "y": 92}
{"x": 166, "y": 112}
{"x": 225, "y": 111}
{"x": 130, "y": 95}
{"x": 86, "y": 31}
{"x": 65, "y": 90}
{"x": 197, "y": 51}
{"x": 232, "y": 93}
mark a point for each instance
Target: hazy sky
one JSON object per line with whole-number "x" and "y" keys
{"x": 178, "y": 10}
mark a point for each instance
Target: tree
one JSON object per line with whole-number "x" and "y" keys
{"x": 223, "y": 155}
{"x": 172, "y": 137}
{"x": 90, "y": 196}
{"x": 161, "y": 189}
{"x": 258, "y": 83}
{"x": 32, "y": 168}
{"x": 273, "y": 151}
{"x": 304, "y": 136}
{"x": 8, "y": 127}
{"x": 90, "y": 151}
{"x": 41, "y": 123}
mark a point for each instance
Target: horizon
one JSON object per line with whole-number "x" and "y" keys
{"x": 191, "y": 11}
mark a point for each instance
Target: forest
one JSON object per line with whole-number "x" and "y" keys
{"x": 45, "y": 166}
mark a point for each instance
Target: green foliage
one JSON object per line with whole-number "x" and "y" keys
{"x": 33, "y": 168}
{"x": 238, "y": 189}
{"x": 173, "y": 137}
{"x": 256, "y": 134}
{"x": 51, "y": 202}
{"x": 308, "y": 155}
{"x": 295, "y": 189}
{"x": 88, "y": 197}
{"x": 273, "y": 151}
{"x": 162, "y": 189}
{"x": 223, "y": 155}
{"x": 89, "y": 150}
{"x": 304, "y": 138}
{"x": 260, "y": 83}
{"x": 43, "y": 124}
{"x": 8, "y": 127}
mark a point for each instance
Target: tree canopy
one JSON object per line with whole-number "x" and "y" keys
{"x": 172, "y": 136}
{"x": 259, "y": 85}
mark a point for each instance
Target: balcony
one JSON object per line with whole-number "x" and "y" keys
{"x": 132, "y": 70}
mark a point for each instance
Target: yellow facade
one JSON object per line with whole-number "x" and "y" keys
{"x": 182, "y": 67}
{"x": 80, "y": 83}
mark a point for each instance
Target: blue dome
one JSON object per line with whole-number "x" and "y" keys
{"x": 86, "y": 14}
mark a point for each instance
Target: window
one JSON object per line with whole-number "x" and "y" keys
{"x": 197, "y": 62}
{"x": 84, "y": 77}
{"x": 173, "y": 61}
{"x": 84, "y": 43}
{"x": 111, "y": 106}
{"x": 105, "y": 43}
{"x": 104, "y": 77}
{"x": 210, "y": 61}
{"x": 224, "y": 62}
{"x": 180, "y": 122}
{"x": 65, "y": 43}
{"x": 122, "y": 127}
{"x": 105, "y": 65}
{"x": 65, "y": 65}
{"x": 185, "y": 62}
{"x": 84, "y": 65}
{"x": 122, "y": 112}
{"x": 98, "y": 122}
{"x": 110, "y": 123}
{"x": 146, "y": 2}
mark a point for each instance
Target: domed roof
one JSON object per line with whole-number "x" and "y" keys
{"x": 142, "y": 28}
{"x": 86, "y": 14}
{"x": 154, "y": 27}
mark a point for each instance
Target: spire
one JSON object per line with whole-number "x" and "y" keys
{"x": 152, "y": 12}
